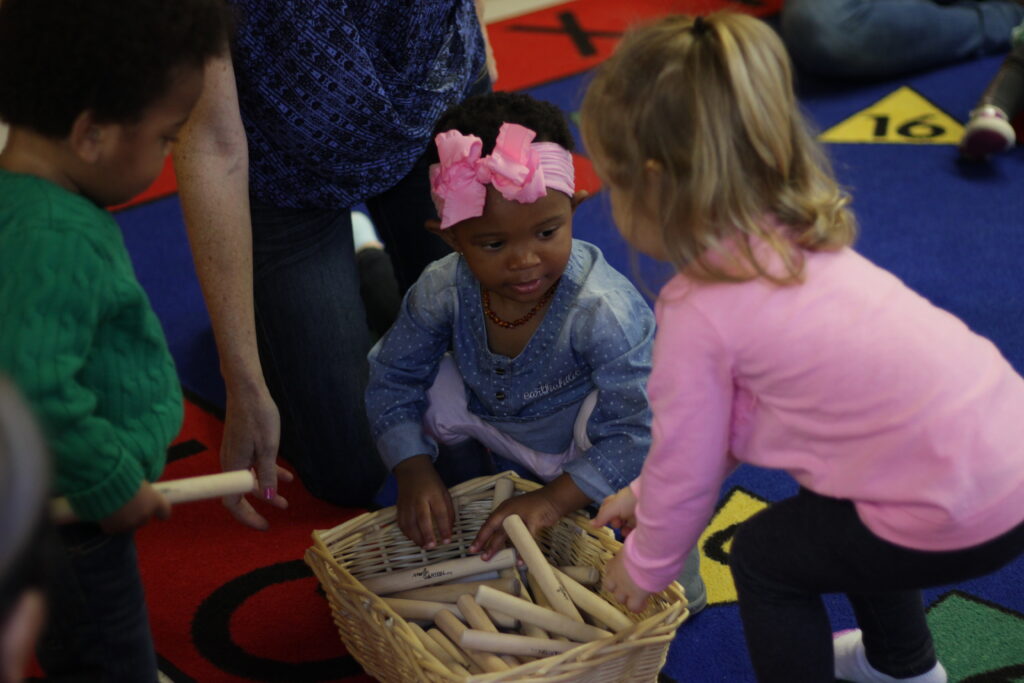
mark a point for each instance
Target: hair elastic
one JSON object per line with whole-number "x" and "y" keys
{"x": 520, "y": 169}
{"x": 700, "y": 26}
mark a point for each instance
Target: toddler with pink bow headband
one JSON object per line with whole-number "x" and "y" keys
{"x": 524, "y": 344}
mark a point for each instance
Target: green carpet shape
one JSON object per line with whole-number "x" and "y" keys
{"x": 977, "y": 642}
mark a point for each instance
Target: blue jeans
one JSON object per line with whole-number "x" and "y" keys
{"x": 313, "y": 339}
{"x": 98, "y": 626}
{"x": 880, "y": 38}
{"x": 312, "y": 331}
{"x": 785, "y": 557}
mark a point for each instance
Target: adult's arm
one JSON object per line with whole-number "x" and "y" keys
{"x": 492, "y": 64}
{"x": 212, "y": 164}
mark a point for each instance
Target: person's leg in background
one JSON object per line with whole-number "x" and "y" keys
{"x": 98, "y": 624}
{"x": 313, "y": 338}
{"x": 991, "y": 128}
{"x": 378, "y": 286}
{"x": 400, "y": 215}
{"x": 881, "y": 38}
{"x": 693, "y": 585}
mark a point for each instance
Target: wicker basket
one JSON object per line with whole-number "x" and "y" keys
{"x": 388, "y": 649}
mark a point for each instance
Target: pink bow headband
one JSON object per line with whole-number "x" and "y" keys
{"x": 518, "y": 168}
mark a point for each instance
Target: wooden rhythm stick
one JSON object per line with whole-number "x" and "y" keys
{"x": 178, "y": 491}
{"x": 588, "y": 576}
{"x": 434, "y": 648}
{"x": 539, "y": 567}
{"x": 529, "y": 629}
{"x": 538, "y": 599}
{"x": 474, "y": 615}
{"x": 418, "y": 577}
{"x": 450, "y": 592}
{"x": 593, "y": 604}
{"x": 550, "y": 621}
{"x": 512, "y": 644}
{"x": 453, "y": 628}
{"x": 503, "y": 489}
{"x": 453, "y": 650}
{"x": 420, "y": 610}
{"x": 425, "y": 610}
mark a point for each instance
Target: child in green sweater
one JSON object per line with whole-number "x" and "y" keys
{"x": 94, "y": 94}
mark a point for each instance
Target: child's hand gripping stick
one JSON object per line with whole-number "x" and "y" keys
{"x": 178, "y": 491}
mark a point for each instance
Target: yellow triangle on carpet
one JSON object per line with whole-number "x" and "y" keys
{"x": 716, "y": 541}
{"x": 901, "y": 117}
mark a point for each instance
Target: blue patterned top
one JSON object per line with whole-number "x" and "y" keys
{"x": 339, "y": 97}
{"x": 596, "y": 334}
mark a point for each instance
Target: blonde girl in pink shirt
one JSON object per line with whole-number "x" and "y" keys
{"x": 780, "y": 346}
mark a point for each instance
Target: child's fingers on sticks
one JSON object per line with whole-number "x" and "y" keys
{"x": 408, "y": 516}
{"x": 444, "y": 516}
{"x": 495, "y": 543}
{"x": 619, "y": 507}
{"x": 435, "y": 516}
{"x": 491, "y": 537}
{"x": 425, "y": 524}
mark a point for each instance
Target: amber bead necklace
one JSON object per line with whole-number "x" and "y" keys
{"x": 509, "y": 324}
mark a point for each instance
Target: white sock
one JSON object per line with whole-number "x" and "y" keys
{"x": 363, "y": 233}
{"x": 852, "y": 663}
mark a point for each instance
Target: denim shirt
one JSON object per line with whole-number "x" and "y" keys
{"x": 596, "y": 334}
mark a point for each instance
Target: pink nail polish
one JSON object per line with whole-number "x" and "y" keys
{"x": 268, "y": 493}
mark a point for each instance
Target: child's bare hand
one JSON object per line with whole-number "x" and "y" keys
{"x": 618, "y": 582}
{"x": 618, "y": 511}
{"x": 539, "y": 509}
{"x": 423, "y": 503}
{"x": 143, "y": 506}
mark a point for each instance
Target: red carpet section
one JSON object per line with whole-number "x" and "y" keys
{"x": 228, "y": 603}
{"x": 570, "y": 38}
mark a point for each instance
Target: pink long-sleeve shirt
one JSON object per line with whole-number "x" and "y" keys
{"x": 857, "y": 386}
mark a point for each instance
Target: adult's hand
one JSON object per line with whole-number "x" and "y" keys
{"x": 252, "y": 433}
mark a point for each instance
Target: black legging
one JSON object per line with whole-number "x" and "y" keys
{"x": 784, "y": 558}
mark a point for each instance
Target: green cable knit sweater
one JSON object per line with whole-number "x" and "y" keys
{"x": 80, "y": 339}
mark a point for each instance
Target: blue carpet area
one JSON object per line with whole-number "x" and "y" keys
{"x": 954, "y": 233}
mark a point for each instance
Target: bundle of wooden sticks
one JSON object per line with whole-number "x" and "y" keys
{"x": 495, "y": 624}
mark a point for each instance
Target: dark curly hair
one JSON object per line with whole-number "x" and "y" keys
{"x": 482, "y": 115}
{"x": 59, "y": 58}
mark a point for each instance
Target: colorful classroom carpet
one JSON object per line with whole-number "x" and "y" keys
{"x": 230, "y": 604}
